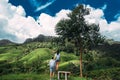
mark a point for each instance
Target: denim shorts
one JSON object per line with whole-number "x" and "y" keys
{"x": 52, "y": 69}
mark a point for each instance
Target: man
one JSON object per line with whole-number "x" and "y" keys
{"x": 52, "y": 65}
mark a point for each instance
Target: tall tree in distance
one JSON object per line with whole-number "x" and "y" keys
{"x": 77, "y": 30}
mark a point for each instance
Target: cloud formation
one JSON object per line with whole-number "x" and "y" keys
{"x": 16, "y": 27}
{"x": 48, "y": 22}
{"x": 110, "y": 30}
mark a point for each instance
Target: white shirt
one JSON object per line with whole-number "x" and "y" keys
{"x": 52, "y": 63}
{"x": 57, "y": 56}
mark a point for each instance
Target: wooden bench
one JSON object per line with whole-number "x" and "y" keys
{"x": 63, "y": 72}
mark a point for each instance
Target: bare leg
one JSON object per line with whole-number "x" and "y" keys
{"x": 51, "y": 75}
{"x": 57, "y": 65}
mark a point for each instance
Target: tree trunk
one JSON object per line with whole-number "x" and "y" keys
{"x": 81, "y": 75}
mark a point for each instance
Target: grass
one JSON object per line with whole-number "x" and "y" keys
{"x": 67, "y": 57}
{"x": 75, "y": 62}
{"x": 7, "y": 53}
{"x": 22, "y": 76}
{"x": 33, "y": 76}
{"x": 7, "y": 56}
{"x": 41, "y": 53}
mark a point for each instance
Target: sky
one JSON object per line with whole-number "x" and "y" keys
{"x": 22, "y": 19}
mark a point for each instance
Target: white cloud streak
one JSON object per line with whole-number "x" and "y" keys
{"x": 45, "y": 5}
{"x": 117, "y": 15}
{"x": 104, "y": 7}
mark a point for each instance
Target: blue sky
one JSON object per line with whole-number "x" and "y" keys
{"x": 30, "y": 6}
{"x": 19, "y": 18}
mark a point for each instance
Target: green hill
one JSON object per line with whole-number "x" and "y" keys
{"x": 33, "y": 58}
{"x": 42, "y": 53}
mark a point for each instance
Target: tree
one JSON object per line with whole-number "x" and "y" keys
{"x": 77, "y": 30}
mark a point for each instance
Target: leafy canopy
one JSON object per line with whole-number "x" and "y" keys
{"x": 76, "y": 29}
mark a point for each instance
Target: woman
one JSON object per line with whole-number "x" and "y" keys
{"x": 57, "y": 58}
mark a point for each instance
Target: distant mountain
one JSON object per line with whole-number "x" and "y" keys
{"x": 40, "y": 38}
{"x": 5, "y": 42}
{"x": 28, "y": 40}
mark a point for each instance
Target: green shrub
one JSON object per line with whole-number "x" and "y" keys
{"x": 105, "y": 74}
{"x": 68, "y": 56}
{"x": 71, "y": 66}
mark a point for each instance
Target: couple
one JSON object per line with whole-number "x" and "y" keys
{"x": 54, "y": 64}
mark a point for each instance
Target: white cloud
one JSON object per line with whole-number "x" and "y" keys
{"x": 23, "y": 27}
{"x": 16, "y": 27}
{"x": 48, "y": 22}
{"x": 20, "y": 11}
{"x": 110, "y": 30}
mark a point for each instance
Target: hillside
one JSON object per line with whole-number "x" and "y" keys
{"x": 33, "y": 57}
{"x": 111, "y": 49}
{"x": 15, "y": 59}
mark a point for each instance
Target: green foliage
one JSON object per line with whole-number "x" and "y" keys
{"x": 72, "y": 66}
{"x": 25, "y": 77}
{"x": 17, "y": 61}
{"x": 9, "y": 53}
{"x": 105, "y": 74}
{"x": 67, "y": 57}
{"x": 5, "y": 67}
{"x": 108, "y": 62}
{"x": 34, "y": 58}
{"x": 75, "y": 29}
{"x": 33, "y": 76}
{"x": 37, "y": 54}
{"x": 94, "y": 61}
{"x": 110, "y": 50}
{"x": 78, "y": 78}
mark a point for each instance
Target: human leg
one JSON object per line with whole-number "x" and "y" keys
{"x": 57, "y": 65}
{"x": 52, "y": 72}
{"x": 50, "y": 75}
